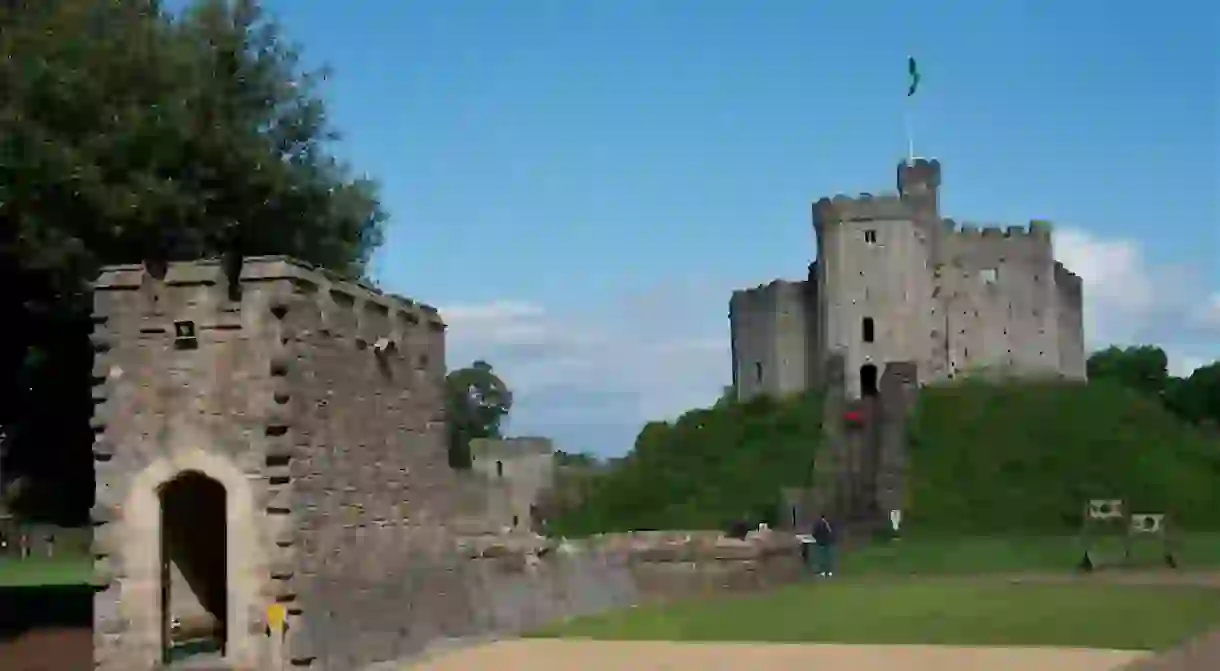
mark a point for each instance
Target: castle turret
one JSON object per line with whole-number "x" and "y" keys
{"x": 919, "y": 184}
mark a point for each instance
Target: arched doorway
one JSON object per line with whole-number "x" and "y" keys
{"x": 868, "y": 380}
{"x": 194, "y": 575}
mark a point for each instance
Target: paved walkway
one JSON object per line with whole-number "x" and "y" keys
{"x": 554, "y": 655}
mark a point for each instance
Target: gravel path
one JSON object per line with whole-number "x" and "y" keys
{"x": 553, "y": 655}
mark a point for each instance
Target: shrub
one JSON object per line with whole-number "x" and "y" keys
{"x": 710, "y": 467}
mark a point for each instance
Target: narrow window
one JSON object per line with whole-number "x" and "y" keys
{"x": 758, "y": 371}
{"x": 867, "y": 327}
{"x": 499, "y": 469}
{"x": 516, "y": 521}
{"x": 870, "y": 236}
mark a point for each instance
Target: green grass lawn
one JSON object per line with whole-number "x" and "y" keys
{"x": 70, "y": 570}
{"x": 951, "y": 612}
{"x": 972, "y": 556}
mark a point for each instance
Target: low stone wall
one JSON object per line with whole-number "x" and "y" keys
{"x": 518, "y": 582}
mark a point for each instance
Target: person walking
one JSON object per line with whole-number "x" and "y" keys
{"x": 824, "y": 537}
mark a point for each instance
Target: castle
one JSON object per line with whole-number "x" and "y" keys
{"x": 896, "y": 282}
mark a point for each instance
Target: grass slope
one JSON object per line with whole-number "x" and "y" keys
{"x": 1024, "y": 456}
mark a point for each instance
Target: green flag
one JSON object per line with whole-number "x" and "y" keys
{"x": 913, "y": 72}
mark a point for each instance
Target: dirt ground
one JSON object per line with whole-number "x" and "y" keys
{"x": 61, "y": 649}
{"x": 70, "y": 649}
{"x": 552, "y": 655}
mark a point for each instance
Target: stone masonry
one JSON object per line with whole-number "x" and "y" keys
{"x": 517, "y": 471}
{"x": 895, "y": 282}
{"x": 315, "y": 403}
{"x": 274, "y": 439}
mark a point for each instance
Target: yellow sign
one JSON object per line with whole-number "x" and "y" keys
{"x": 276, "y": 615}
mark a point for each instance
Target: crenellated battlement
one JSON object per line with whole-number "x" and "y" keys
{"x": 862, "y": 207}
{"x": 969, "y": 229}
{"x": 921, "y": 171}
{"x": 201, "y": 288}
{"x": 768, "y": 293}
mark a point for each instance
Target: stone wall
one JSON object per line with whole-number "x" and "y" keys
{"x": 860, "y": 470}
{"x": 771, "y": 327}
{"x": 517, "y": 470}
{"x": 515, "y": 583}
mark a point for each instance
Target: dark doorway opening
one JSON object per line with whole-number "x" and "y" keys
{"x": 868, "y": 380}
{"x": 194, "y": 579}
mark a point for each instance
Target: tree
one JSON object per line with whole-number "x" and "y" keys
{"x": 1197, "y": 397}
{"x": 477, "y": 401}
{"x": 1143, "y": 368}
{"x": 707, "y": 468}
{"x": 577, "y": 459}
{"x": 127, "y": 136}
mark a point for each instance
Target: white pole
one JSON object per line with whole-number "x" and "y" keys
{"x": 910, "y": 134}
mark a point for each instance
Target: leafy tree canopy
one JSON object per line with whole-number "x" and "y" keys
{"x": 127, "y": 135}
{"x": 477, "y": 401}
{"x": 706, "y": 469}
{"x": 1197, "y": 397}
{"x": 1144, "y": 368}
{"x": 577, "y": 459}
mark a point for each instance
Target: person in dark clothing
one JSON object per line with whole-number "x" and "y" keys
{"x": 824, "y": 536}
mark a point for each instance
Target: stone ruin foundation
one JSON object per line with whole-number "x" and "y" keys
{"x": 271, "y": 444}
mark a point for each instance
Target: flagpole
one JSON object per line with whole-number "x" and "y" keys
{"x": 910, "y": 126}
{"x": 908, "y": 112}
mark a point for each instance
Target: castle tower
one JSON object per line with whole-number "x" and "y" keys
{"x": 919, "y": 185}
{"x": 873, "y": 280}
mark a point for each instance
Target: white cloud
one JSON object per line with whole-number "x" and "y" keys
{"x": 608, "y": 370}
{"x": 590, "y": 378}
{"x": 1209, "y": 313}
{"x": 1129, "y": 301}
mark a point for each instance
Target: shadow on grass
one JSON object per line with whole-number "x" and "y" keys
{"x": 27, "y": 608}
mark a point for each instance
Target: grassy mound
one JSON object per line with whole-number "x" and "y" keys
{"x": 709, "y": 467}
{"x": 1024, "y": 456}
{"x": 987, "y": 458}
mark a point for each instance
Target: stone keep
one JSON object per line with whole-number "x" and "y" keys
{"x": 312, "y": 408}
{"x": 895, "y": 282}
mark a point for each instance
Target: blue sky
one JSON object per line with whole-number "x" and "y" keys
{"x": 579, "y": 185}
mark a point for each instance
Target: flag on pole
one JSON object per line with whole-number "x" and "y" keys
{"x": 913, "y": 73}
